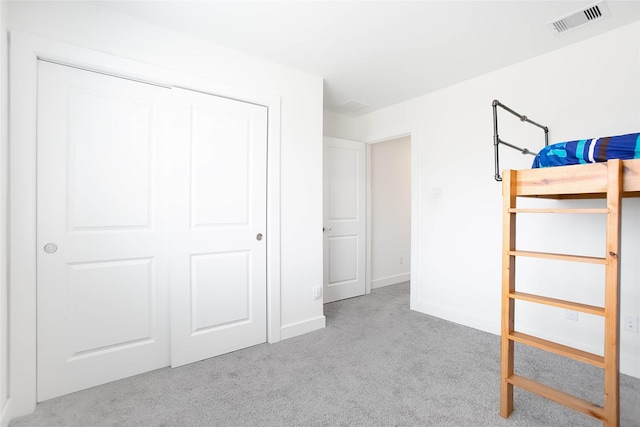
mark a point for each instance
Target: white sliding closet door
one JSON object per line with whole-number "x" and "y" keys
{"x": 150, "y": 202}
{"x": 218, "y": 217}
{"x": 101, "y": 230}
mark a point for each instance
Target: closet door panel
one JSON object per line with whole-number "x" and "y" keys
{"x": 101, "y": 233}
{"x": 218, "y": 223}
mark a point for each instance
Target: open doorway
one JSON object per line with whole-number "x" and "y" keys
{"x": 367, "y": 215}
{"x": 388, "y": 212}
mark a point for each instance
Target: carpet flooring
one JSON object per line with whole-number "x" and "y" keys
{"x": 375, "y": 364}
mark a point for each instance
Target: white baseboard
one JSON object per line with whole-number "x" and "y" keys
{"x": 455, "y": 316}
{"x": 4, "y": 415}
{"x": 391, "y": 280}
{"x": 304, "y": 327}
{"x": 628, "y": 365}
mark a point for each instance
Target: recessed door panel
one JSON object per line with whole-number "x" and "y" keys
{"x": 343, "y": 259}
{"x": 343, "y": 168}
{"x": 220, "y": 147}
{"x": 110, "y": 152}
{"x": 110, "y": 304}
{"x": 219, "y": 295}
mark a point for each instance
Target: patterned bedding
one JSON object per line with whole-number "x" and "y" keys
{"x": 589, "y": 151}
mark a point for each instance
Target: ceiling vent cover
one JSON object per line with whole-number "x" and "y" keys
{"x": 579, "y": 18}
{"x": 353, "y": 107}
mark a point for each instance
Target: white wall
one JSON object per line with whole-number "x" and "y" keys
{"x": 390, "y": 201}
{"x": 3, "y": 211}
{"x": 585, "y": 90}
{"x": 103, "y": 30}
{"x": 339, "y": 126}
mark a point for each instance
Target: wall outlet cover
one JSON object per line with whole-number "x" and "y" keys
{"x": 629, "y": 324}
{"x": 571, "y": 315}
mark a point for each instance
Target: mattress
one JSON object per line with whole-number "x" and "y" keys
{"x": 589, "y": 151}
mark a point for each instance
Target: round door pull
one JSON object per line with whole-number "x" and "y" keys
{"x": 50, "y": 248}
{"x": 259, "y": 237}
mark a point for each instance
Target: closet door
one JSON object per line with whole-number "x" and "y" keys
{"x": 101, "y": 230}
{"x": 218, "y": 223}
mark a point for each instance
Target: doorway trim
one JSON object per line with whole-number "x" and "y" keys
{"x": 25, "y": 52}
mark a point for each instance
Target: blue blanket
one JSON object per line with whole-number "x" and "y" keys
{"x": 589, "y": 151}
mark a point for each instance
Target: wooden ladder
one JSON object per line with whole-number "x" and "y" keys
{"x": 609, "y": 413}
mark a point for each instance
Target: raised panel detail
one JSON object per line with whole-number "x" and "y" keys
{"x": 343, "y": 184}
{"x": 109, "y": 156}
{"x": 343, "y": 259}
{"x": 110, "y": 304}
{"x": 220, "y": 289}
{"x": 220, "y": 168}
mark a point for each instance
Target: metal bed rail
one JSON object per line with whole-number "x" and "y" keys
{"x": 497, "y": 141}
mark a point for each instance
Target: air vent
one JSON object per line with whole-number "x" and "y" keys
{"x": 353, "y": 107}
{"x": 579, "y": 18}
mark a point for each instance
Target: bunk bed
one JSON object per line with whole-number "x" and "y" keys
{"x": 612, "y": 180}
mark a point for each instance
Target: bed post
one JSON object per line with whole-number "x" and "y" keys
{"x": 508, "y": 287}
{"x": 612, "y": 297}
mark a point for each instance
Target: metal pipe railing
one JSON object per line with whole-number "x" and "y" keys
{"x": 497, "y": 141}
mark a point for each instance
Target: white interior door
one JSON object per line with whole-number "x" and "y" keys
{"x": 101, "y": 234}
{"x": 344, "y": 219}
{"x": 218, "y": 221}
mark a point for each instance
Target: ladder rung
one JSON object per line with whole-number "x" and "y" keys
{"x": 560, "y": 257}
{"x": 583, "y": 308}
{"x": 564, "y": 211}
{"x": 562, "y": 350}
{"x": 574, "y": 402}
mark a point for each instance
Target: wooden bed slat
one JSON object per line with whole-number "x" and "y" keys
{"x": 560, "y": 257}
{"x": 566, "y": 399}
{"x": 564, "y": 211}
{"x": 562, "y": 350}
{"x": 569, "y": 305}
{"x": 578, "y": 179}
{"x": 588, "y": 180}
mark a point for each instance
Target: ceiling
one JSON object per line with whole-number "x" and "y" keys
{"x": 380, "y": 53}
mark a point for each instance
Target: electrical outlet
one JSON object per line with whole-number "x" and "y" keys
{"x": 571, "y": 315}
{"x": 401, "y": 259}
{"x": 630, "y": 324}
{"x": 317, "y": 293}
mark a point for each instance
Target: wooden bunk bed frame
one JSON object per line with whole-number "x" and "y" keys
{"x": 612, "y": 180}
